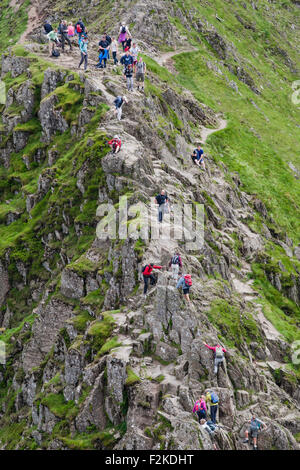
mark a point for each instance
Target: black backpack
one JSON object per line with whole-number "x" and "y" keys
{"x": 175, "y": 259}
{"x": 55, "y": 53}
{"x": 123, "y": 30}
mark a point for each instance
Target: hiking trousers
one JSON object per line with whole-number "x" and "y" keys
{"x": 175, "y": 271}
{"x": 119, "y": 113}
{"x": 146, "y": 282}
{"x": 213, "y": 413}
{"x": 115, "y": 57}
{"x": 129, "y": 83}
{"x": 84, "y": 59}
{"x": 218, "y": 361}
{"x": 64, "y": 38}
{"x": 201, "y": 414}
{"x": 161, "y": 211}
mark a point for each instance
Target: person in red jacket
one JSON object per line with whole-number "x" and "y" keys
{"x": 219, "y": 355}
{"x": 115, "y": 144}
{"x": 147, "y": 274}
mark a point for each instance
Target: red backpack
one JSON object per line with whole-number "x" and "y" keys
{"x": 78, "y": 28}
{"x": 188, "y": 280}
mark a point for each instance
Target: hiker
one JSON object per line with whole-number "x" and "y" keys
{"x": 255, "y": 426}
{"x": 213, "y": 400}
{"x": 103, "y": 52}
{"x": 83, "y": 50}
{"x": 185, "y": 282}
{"x": 210, "y": 427}
{"x": 162, "y": 201}
{"x": 126, "y": 59}
{"x": 147, "y": 274}
{"x": 200, "y": 408}
{"x": 47, "y": 27}
{"x": 63, "y": 32}
{"x": 71, "y": 30}
{"x": 119, "y": 101}
{"x": 129, "y": 76}
{"x": 53, "y": 39}
{"x": 128, "y": 43}
{"x": 115, "y": 50}
{"x": 218, "y": 355}
{"x": 198, "y": 157}
{"x": 175, "y": 264}
{"x": 79, "y": 28}
{"x": 140, "y": 74}
{"x": 115, "y": 144}
{"x": 124, "y": 32}
{"x": 134, "y": 51}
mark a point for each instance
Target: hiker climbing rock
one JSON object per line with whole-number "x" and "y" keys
{"x": 162, "y": 201}
{"x": 83, "y": 50}
{"x": 218, "y": 355}
{"x": 147, "y": 275}
{"x": 175, "y": 264}
{"x": 198, "y": 157}
{"x": 115, "y": 144}
{"x": 213, "y": 400}
{"x": 255, "y": 427}
{"x": 200, "y": 408}
{"x": 118, "y": 102}
{"x": 140, "y": 74}
{"x": 186, "y": 283}
{"x": 63, "y": 32}
{"x": 134, "y": 50}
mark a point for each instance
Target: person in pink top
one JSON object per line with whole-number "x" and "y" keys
{"x": 218, "y": 354}
{"x": 71, "y": 30}
{"x": 200, "y": 408}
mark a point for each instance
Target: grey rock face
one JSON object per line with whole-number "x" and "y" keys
{"x": 51, "y": 118}
{"x": 72, "y": 285}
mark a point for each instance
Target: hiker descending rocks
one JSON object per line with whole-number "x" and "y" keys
{"x": 118, "y": 102}
{"x": 53, "y": 40}
{"x": 211, "y": 428}
{"x": 213, "y": 400}
{"x": 103, "y": 52}
{"x": 218, "y": 355}
{"x": 115, "y": 144}
{"x": 47, "y": 27}
{"x": 114, "y": 50}
{"x": 128, "y": 43}
{"x": 255, "y": 427}
{"x": 83, "y": 50}
{"x": 175, "y": 264}
{"x": 123, "y": 35}
{"x": 126, "y": 60}
{"x": 198, "y": 157}
{"x": 63, "y": 32}
{"x": 162, "y": 201}
{"x": 140, "y": 74}
{"x": 186, "y": 283}
{"x": 129, "y": 76}
{"x": 147, "y": 275}
{"x": 79, "y": 28}
{"x": 200, "y": 408}
{"x": 134, "y": 51}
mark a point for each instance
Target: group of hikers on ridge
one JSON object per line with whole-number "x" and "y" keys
{"x": 133, "y": 64}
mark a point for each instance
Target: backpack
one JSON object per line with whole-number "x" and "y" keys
{"x": 175, "y": 259}
{"x": 78, "y": 28}
{"x": 188, "y": 280}
{"x": 55, "y": 53}
{"x": 198, "y": 406}
{"x": 254, "y": 425}
{"x": 123, "y": 30}
{"x": 214, "y": 397}
{"x": 144, "y": 267}
{"x": 118, "y": 102}
{"x": 219, "y": 352}
{"x": 211, "y": 426}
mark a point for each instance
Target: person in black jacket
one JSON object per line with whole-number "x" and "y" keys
{"x": 162, "y": 201}
{"x": 103, "y": 52}
{"x": 63, "y": 32}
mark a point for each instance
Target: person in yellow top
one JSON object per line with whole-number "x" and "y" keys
{"x": 213, "y": 400}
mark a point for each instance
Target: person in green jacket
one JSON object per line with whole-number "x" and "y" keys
{"x": 53, "y": 39}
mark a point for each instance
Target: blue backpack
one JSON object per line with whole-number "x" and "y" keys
{"x": 118, "y": 101}
{"x": 214, "y": 397}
